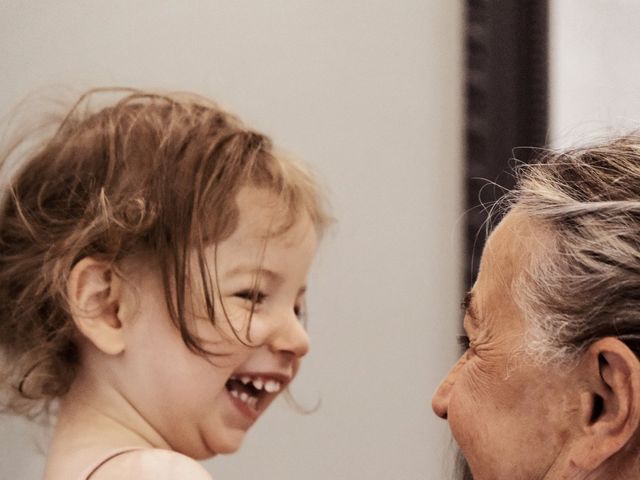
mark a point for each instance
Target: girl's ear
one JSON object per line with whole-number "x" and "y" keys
{"x": 95, "y": 295}
{"x": 610, "y": 410}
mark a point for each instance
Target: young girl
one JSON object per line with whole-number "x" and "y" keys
{"x": 153, "y": 265}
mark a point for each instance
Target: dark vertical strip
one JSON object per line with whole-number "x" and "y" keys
{"x": 507, "y": 102}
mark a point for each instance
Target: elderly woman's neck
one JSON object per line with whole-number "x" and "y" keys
{"x": 624, "y": 467}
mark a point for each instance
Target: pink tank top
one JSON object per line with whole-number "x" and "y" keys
{"x": 95, "y": 466}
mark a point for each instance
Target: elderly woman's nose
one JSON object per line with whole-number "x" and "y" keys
{"x": 440, "y": 399}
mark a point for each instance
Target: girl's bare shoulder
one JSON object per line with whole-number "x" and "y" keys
{"x": 151, "y": 464}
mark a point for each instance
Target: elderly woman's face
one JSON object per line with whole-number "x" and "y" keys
{"x": 509, "y": 417}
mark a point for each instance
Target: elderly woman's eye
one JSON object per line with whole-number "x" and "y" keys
{"x": 255, "y": 296}
{"x": 464, "y": 342}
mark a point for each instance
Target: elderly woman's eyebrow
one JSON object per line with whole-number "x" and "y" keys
{"x": 468, "y": 306}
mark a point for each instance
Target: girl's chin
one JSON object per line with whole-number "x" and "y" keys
{"x": 230, "y": 443}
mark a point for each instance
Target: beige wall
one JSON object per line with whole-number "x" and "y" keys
{"x": 369, "y": 93}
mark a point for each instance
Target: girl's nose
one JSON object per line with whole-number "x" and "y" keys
{"x": 290, "y": 337}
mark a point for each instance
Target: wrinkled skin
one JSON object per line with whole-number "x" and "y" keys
{"x": 517, "y": 419}
{"x": 510, "y": 418}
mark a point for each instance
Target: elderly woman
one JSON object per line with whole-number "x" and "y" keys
{"x": 549, "y": 386}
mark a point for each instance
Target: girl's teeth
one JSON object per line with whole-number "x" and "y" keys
{"x": 272, "y": 386}
{"x": 245, "y": 397}
{"x": 258, "y": 383}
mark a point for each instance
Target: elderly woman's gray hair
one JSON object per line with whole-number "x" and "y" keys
{"x": 588, "y": 286}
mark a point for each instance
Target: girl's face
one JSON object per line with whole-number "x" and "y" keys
{"x": 201, "y": 405}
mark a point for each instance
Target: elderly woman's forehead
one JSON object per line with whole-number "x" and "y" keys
{"x": 515, "y": 239}
{"x": 518, "y": 228}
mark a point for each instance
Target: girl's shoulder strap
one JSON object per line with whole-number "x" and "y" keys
{"x": 152, "y": 463}
{"x": 96, "y": 465}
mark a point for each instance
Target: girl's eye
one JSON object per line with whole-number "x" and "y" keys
{"x": 464, "y": 342}
{"x": 254, "y": 296}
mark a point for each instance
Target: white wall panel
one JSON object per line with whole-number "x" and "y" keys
{"x": 595, "y": 73}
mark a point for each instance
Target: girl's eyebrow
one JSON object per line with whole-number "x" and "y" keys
{"x": 258, "y": 272}
{"x": 254, "y": 270}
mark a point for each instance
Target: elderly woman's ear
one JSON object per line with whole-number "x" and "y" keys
{"x": 610, "y": 404}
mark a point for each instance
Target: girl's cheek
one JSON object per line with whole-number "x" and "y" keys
{"x": 237, "y": 321}
{"x": 231, "y": 321}
{"x": 259, "y": 330}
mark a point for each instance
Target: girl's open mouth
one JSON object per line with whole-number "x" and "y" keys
{"x": 251, "y": 389}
